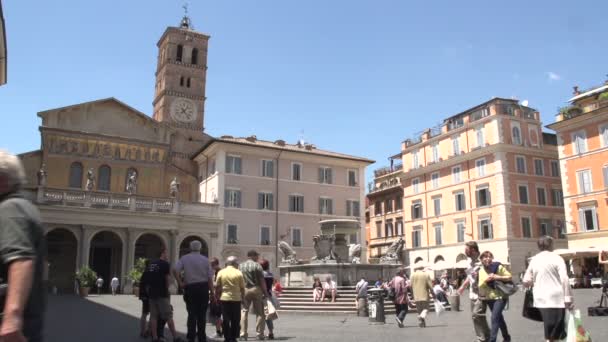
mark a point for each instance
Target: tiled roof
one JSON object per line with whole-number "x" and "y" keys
{"x": 282, "y": 145}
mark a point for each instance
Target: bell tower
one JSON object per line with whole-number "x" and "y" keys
{"x": 181, "y": 75}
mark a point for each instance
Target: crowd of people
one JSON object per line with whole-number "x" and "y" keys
{"x": 229, "y": 293}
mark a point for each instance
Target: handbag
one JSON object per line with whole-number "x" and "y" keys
{"x": 529, "y": 311}
{"x": 507, "y": 288}
{"x": 270, "y": 311}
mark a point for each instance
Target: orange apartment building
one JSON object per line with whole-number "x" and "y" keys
{"x": 582, "y": 134}
{"x": 487, "y": 174}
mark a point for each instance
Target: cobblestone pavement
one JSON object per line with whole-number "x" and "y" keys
{"x": 108, "y": 318}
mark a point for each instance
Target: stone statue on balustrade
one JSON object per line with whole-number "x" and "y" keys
{"x": 324, "y": 249}
{"x": 42, "y": 176}
{"x": 393, "y": 254}
{"x": 174, "y": 188}
{"x": 131, "y": 187}
{"x": 354, "y": 253}
{"x": 90, "y": 180}
{"x": 289, "y": 255}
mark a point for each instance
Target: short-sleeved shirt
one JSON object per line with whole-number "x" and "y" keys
{"x": 99, "y": 282}
{"x": 231, "y": 282}
{"x": 473, "y": 277}
{"x": 156, "y": 279}
{"x": 22, "y": 237}
{"x": 252, "y": 273}
{"x": 361, "y": 288}
{"x": 196, "y": 268}
{"x": 421, "y": 284}
{"x": 329, "y": 285}
{"x": 485, "y": 290}
{"x": 114, "y": 282}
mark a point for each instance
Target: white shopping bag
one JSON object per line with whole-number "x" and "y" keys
{"x": 271, "y": 312}
{"x": 439, "y": 308}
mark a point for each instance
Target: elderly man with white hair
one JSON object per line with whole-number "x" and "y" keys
{"x": 197, "y": 274}
{"x": 23, "y": 253}
{"x": 230, "y": 291}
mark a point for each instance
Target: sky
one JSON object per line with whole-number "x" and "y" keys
{"x": 351, "y": 76}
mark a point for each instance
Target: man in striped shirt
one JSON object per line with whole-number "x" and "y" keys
{"x": 255, "y": 293}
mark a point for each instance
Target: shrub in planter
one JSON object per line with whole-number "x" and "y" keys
{"x": 135, "y": 274}
{"x": 86, "y": 279}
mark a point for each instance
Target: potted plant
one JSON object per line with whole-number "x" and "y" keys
{"x": 86, "y": 278}
{"x": 136, "y": 273}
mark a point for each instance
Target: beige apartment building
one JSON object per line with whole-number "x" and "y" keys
{"x": 487, "y": 174}
{"x": 582, "y": 133}
{"x": 272, "y": 190}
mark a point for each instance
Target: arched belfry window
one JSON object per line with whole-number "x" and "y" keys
{"x": 181, "y": 81}
{"x": 75, "y": 175}
{"x": 103, "y": 182}
{"x": 194, "y": 56}
{"x": 188, "y": 82}
{"x": 180, "y": 52}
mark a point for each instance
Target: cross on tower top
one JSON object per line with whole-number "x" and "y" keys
{"x": 186, "y": 19}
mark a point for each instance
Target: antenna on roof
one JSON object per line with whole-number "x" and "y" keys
{"x": 301, "y": 138}
{"x": 525, "y": 103}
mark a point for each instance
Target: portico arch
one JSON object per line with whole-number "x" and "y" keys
{"x": 461, "y": 257}
{"x": 105, "y": 256}
{"x": 184, "y": 246}
{"x": 62, "y": 251}
{"x": 149, "y": 245}
{"x": 438, "y": 258}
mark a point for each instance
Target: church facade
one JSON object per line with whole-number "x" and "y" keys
{"x": 114, "y": 184}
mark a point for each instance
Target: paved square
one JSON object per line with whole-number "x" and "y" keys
{"x": 107, "y": 318}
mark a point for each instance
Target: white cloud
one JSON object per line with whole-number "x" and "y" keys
{"x": 553, "y": 76}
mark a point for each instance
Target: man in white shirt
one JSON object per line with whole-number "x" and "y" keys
{"x": 361, "y": 290}
{"x": 114, "y": 285}
{"x": 478, "y": 307}
{"x": 99, "y": 284}
{"x": 552, "y": 294}
{"x": 329, "y": 288}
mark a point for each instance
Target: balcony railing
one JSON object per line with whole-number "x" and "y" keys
{"x": 116, "y": 201}
{"x": 387, "y": 169}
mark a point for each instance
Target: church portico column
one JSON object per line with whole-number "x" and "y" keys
{"x": 86, "y": 233}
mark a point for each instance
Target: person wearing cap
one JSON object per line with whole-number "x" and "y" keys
{"x": 22, "y": 255}
{"x": 422, "y": 287}
{"x": 255, "y": 293}
{"x": 230, "y": 291}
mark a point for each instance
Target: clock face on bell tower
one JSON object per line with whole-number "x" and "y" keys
{"x": 181, "y": 73}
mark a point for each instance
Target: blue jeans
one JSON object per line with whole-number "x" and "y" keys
{"x": 401, "y": 311}
{"x": 498, "y": 321}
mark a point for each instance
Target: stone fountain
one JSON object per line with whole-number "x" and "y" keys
{"x": 335, "y": 258}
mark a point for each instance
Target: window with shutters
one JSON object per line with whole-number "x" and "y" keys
{"x": 557, "y": 197}
{"x": 554, "y": 168}
{"x": 579, "y": 142}
{"x": 480, "y": 138}
{"x": 435, "y": 150}
{"x": 103, "y": 182}
{"x": 388, "y": 205}
{"x": 482, "y": 195}
{"x": 231, "y": 234}
{"x": 460, "y": 230}
{"x": 232, "y": 198}
{"x": 265, "y": 201}
{"x": 399, "y": 227}
{"x": 416, "y": 185}
{"x": 264, "y": 235}
{"x": 416, "y": 210}
{"x": 233, "y": 164}
{"x": 523, "y": 194}
{"x": 378, "y": 229}
{"x": 584, "y": 181}
{"x": 296, "y": 237}
{"x": 588, "y": 218}
{"x": 326, "y": 206}
{"x": 541, "y": 196}
{"x": 605, "y": 173}
{"x": 544, "y": 229}
{"x": 520, "y": 163}
{"x": 480, "y": 165}
{"x": 353, "y": 208}
{"x": 296, "y": 203}
{"x": 415, "y": 160}
{"x": 561, "y": 229}
{"x": 417, "y": 236}
{"x": 516, "y": 134}
{"x": 438, "y": 233}
{"x": 268, "y": 168}
{"x": 296, "y": 171}
{"x": 325, "y": 175}
{"x": 459, "y": 200}
{"x": 456, "y": 145}
{"x": 75, "y": 180}
{"x": 435, "y": 180}
{"x": 398, "y": 203}
{"x": 456, "y": 174}
{"x": 526, "y": 227}
{"x": 539, "y": 169}
{"x": 604, "y": 135}
{"x": 437, "y": 205}
{"x": 352, "y": 177}
{"x": 485, "y": 229}
{"x": 378, "y": 208}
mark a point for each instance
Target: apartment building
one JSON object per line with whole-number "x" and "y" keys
{"x": 487, "y": 174}
{"x": 385, "y": 210}
{"x": 275, "y": 190}
{"x": 582, "y": 134}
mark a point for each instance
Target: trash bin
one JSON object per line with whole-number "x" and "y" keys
{"x": 454, "y": 300}
{"x": 375, "y": 304}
